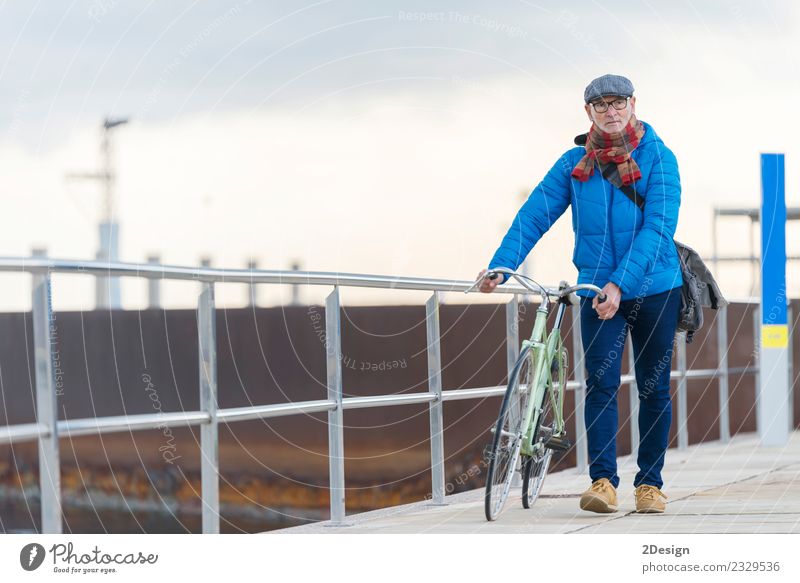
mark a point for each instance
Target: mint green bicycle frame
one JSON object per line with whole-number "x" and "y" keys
{"x": 543, "y": 349}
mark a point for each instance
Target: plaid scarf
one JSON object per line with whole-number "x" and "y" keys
{"x": 615, "y": 147}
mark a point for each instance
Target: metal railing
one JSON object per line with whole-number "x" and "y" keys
{"x": 47, "y": 429}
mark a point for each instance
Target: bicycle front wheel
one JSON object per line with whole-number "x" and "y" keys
{"x": 535, "y": 466}
{"x": 504, "y": 453}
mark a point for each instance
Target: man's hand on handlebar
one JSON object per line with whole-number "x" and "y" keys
{"x": 488, "y": 285}
{"x": 607, "y": 308}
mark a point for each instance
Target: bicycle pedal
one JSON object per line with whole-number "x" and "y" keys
{"x": 558, "y": 443}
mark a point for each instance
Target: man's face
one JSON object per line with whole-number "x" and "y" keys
{"x": 612, "y": 119}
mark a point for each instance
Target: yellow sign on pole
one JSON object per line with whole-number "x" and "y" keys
{"x": 774, "y": 335}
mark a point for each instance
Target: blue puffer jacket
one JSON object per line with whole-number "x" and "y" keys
{"x": 614, "y": 240}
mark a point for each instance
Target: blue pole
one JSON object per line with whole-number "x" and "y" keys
{"x": 772, "y": 413}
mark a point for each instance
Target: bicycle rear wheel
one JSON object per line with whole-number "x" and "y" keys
{"x": 504, "y": 452}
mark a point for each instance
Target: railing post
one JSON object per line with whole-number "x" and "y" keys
{"x": 756, "y": 354}
{"x": 683, "y": 430}
{"x": 633, "y": 397}
{"x": 46, "y": 405}
{"x": 295, "y": 287}
{"x": 512, "y": 333}
{"x": 581, "y": 447}
{"x": 153, "y": 286}
{"x": 435, "y": 386}
{"x": 252, "y": 289}
{"x": 790, "y": 397}
{"x": 209, "y": 432}
{"x": 722, "y": 367}
{"x": 333, "y": 349}
{"x": 512, "y": 354}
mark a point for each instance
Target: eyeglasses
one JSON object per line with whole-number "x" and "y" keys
{"x": 602, "y": 106}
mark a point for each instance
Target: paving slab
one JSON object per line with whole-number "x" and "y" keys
{"x": 738, "y": 487}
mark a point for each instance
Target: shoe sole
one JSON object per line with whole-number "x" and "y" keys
{"x": 594, "y": 503}
{"x": 649, "y": 511}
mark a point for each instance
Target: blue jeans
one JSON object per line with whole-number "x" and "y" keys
{"x": 652, "y": 321}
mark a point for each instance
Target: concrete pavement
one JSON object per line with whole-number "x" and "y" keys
{"x": 737, "y": 487}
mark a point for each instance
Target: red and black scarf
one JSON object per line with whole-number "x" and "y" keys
{"x": 615, "y": 147}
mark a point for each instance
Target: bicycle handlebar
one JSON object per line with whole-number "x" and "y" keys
{"x": 544, "y": 292}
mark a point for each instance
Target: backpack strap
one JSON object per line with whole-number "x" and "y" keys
{"x": 627, "y": 190}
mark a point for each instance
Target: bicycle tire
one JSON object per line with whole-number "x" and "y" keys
{"x": 505, "y": 449}
{"x": 535, "y": 468}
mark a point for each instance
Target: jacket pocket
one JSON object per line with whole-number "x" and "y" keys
{"x": 667, "y": 257}
{"x": 593, "y": 252}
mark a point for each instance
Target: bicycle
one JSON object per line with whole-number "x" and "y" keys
{"x": 530, "y": 427}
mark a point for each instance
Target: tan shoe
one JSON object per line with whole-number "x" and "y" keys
{"x": 600, "y": 497}
{"x": 648, "y": 499}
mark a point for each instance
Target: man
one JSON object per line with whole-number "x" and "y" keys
{"x": 631, "y": 256}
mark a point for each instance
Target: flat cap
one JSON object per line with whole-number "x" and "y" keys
{"x": 608, "y": 85}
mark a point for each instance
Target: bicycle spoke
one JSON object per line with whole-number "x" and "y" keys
{"x": 536, "y": 467}
{"x": 504, "y": 454}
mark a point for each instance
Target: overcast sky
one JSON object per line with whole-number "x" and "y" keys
{"x": 369, "y": 137}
